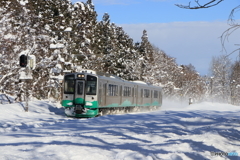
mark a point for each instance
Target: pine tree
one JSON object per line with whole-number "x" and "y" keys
{"x": 146, "y": 57}
{"x": 31, "y": 27}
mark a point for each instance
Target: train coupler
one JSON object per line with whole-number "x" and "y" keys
{"x": 79, "y": 109}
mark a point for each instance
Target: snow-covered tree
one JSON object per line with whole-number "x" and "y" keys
{"x": 146, "y": 55}
{"x": 235, "y": 83}
{"x": 220, "y": 71}
{"x": 66, "y": 37}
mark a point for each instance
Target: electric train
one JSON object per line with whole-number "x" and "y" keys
{"x": 89, "y": 94}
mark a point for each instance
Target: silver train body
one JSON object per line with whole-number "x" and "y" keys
{"x": 88, "y": 94}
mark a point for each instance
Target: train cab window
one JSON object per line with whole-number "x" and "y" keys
{"x": 91, "y": 86}
{"x": 69, "y": 84}
{"x": 80, "y": 88}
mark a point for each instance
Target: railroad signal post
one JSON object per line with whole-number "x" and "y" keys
{"x": 23, "y": 60}
{"x": 28, "y": 62}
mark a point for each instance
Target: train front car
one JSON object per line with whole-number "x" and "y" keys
{"x": 80, "y": 95}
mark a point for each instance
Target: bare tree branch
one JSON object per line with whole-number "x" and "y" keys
{"x": 231, "y": 20}
{"x": 232, "y": 52}
{"x": 206, "y": 5}
{"x": 224, "y": 37}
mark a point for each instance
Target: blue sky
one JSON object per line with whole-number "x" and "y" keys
{"x": 190, "y": 36}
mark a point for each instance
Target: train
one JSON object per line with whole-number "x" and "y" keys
{"x": 89, "y": 94}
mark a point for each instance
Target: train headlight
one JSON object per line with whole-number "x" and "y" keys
{"x": 88, "y": 104}
{"x": 70, "y": 104}
{"x": 81, "y": 76}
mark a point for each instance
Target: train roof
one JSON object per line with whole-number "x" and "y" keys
{"x": 111, "y": 77}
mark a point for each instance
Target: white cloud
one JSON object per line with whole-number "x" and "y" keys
{"x": 188, "y": 42}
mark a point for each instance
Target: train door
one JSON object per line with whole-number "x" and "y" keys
{"x": 133, "y": 95}
{"x": 121, "y": 94}
{"x": 100, "y": 94}
{"x": 137, "y": 96}
{"x": 160, "y": 97}
{"x": 103, "y": 96}
{"x": 151, "y": 96}
{"x": 140, "y": 96}
{"x": 79, "y": 92}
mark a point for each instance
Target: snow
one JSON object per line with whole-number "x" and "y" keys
{"x": 60, "y": 78}
{"x": 56, "y": 46}
{"x": 24, "y": 75}
{"x": 140, "y": 82}
{"x": 47, "y": 27}
{"x": 9, "y": 36}
{"x": 81, "y": 4}
{"x": 176, "y": 132}
{"x": 89, "y": 71}
{"x": 68, "y": 29}
{"x": 22, "y": 2}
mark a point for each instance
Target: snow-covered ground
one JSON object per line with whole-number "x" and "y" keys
{"x": 176, "y": 132}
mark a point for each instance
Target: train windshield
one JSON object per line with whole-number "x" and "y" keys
{"x": 69, "y": 84}
{"x": 91, "y": 86}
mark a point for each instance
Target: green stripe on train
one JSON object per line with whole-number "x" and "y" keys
{"x": 79, "y": 101}
{"x": 67, "y": 103}
{"x": 91, "y": 104}
{"x": 127, "y": 103}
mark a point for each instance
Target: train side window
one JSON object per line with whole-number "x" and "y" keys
{"x": 127, "y": 91}
{"x": 142, "y": 93}
{"x": 146, "y": 93}
{"x": 112, "y": 90}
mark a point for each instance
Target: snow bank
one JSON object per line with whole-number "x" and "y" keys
{"x": 184, "y": 106}
{"x": 177, "y": 132}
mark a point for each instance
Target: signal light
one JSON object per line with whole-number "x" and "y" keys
{"x": 23, "y": 60}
